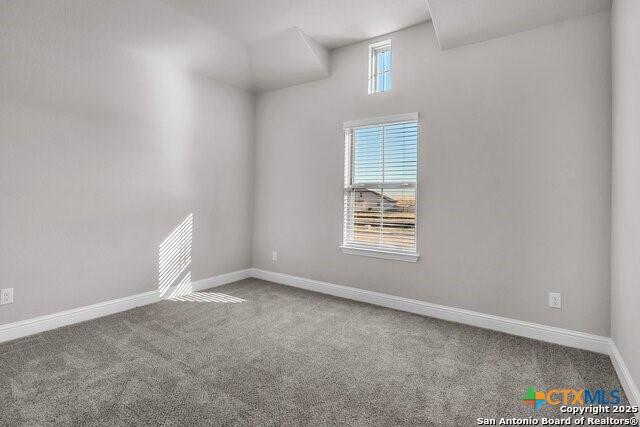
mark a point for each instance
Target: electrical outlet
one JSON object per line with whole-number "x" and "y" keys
{"x": 6, "y": 296}
{"x": 555, "y": 300}
{"x": 274, "y": 255}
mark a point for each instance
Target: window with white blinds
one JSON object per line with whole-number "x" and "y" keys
{"x": 380, "y": 185}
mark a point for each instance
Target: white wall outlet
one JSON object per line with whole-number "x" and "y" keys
{"x": 274, "y": 255}
{"x": 555, "y": 300}
{"x": 6, "y": 296}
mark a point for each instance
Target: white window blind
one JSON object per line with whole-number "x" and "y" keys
{"x": 380, "y": 67}
{"x": 380, "y": 185}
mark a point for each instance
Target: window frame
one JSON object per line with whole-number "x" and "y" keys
{"x": 373, "y": 64}
{"x": 372, "y": 251}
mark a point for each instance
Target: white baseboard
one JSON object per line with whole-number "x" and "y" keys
{"x": 536, "y": 331}
{"x": 630, "y": 387}
{"x": 35, "y": 325}
{"x": 222, "y": 279}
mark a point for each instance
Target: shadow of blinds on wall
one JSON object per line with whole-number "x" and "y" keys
{"x": 174, "y": 261}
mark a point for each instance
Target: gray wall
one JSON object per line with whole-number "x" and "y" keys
{"x": 103, "y": 151}
{"x": 514, "y": 172}
{"x": 625, "y": 221}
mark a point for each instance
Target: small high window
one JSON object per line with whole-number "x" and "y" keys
{"x": 380, "y": 67}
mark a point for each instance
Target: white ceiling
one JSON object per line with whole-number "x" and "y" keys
{"x": 462, "y": 22}
{"x": 332, "y": 23}
{"x": 297, "y": 59}
{"x": 287, "y": 41}
{"x": 262, "y": 45}
{"x": 148, "y": 28}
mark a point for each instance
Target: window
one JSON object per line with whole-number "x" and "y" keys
{"x": 380, "y": 67}
{"x": 380, "y": 183}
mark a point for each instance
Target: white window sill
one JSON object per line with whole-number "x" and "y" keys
{"x": 381, "y": 92}
{"x": 378, "y": 253}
